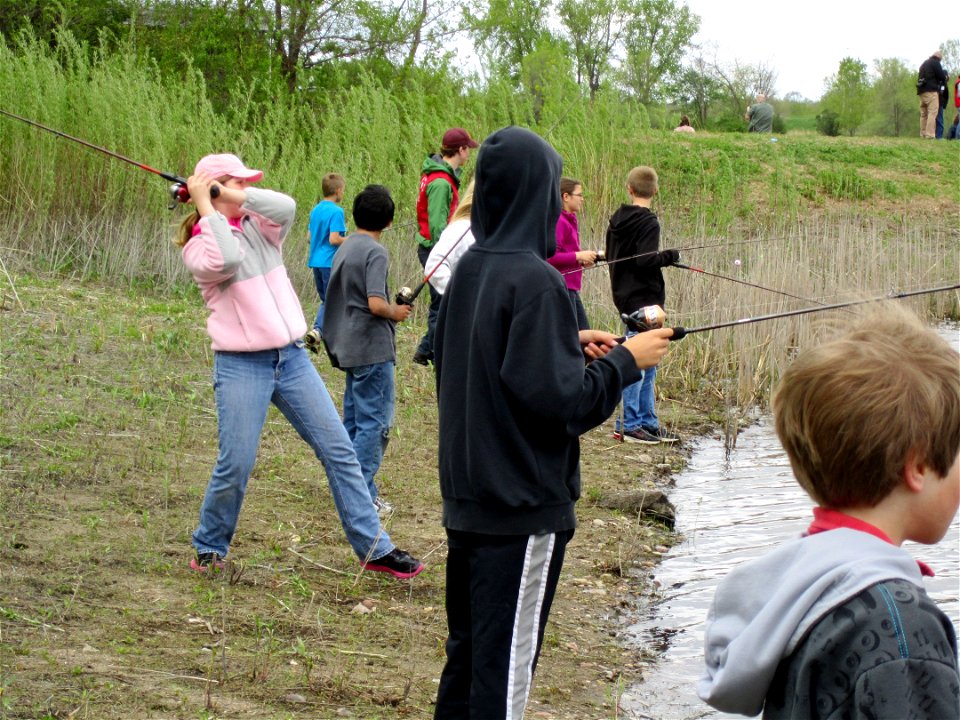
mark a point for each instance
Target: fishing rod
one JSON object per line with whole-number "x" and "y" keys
{"x": 406, "y": 296}
{"x": 638, "y": 320}
{"x": 178, "y": 191}
{"x": 605, "y": 262}
{"x": 744, "y": 282}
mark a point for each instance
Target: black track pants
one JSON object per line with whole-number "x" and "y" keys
{"x": 499, "y": 592}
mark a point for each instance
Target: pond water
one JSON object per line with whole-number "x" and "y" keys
{"x": 732, "y": 508}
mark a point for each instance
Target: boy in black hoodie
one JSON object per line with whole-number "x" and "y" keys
{"x": 635, "y": 259}
{"x": 514, "y": 396}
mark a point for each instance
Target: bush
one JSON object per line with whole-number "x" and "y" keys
{"x": 828, "y": 123}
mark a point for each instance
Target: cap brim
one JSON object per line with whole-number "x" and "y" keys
{"x": 248, "y": 175}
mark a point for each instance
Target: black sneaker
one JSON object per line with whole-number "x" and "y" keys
{"x": 640, "y": 436}
{"x": 662, "y": 435}
{"x": 422, "y": 358}
{"x": 205, "y": 562}
{"x": 398, "y": 563}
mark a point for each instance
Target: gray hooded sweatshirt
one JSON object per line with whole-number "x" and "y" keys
{"x": 834, "y": 625}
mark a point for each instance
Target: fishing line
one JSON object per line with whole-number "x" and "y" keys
{"x": 636, "y": 320}
{"x": 178, "y": 191}
{"x": 744, "y": 282}
{"x": 605, "y": 263}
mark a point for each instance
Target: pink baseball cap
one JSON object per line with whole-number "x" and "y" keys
{"x": 229, "y": 165}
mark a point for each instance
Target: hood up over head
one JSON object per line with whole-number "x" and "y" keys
{"x": 516, "y": 200}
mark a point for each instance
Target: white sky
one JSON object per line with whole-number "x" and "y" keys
{"x": 805, "y": 42}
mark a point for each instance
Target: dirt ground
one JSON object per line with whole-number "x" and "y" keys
{"x": 107, "y": 441}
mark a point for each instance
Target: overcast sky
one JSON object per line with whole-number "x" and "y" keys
{"x": 805, "y": 42}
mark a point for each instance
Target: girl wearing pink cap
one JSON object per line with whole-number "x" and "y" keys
{"x": 232, "y": 245}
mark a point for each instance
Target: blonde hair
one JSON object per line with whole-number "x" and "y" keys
{"x": 849, "y": 412}
{"x": 185, "y": 231}
{"x": 643, "y": 181}
{"x": 466, "y": 202}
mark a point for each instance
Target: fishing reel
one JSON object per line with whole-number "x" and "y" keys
{"x": 179, "y": 194}
{"x": 601, "y": 256}
{"x": 406, "y": 296}
{"x": 646, "y": 318}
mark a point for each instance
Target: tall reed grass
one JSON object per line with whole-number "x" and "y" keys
{"x": 838, "y": 218}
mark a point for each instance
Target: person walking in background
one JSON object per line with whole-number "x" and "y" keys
{"x": 232, "y": 245}
{"x": 327, "y": 230}
{"x": 929, "y": 79}
{"x": 634, "y": 259}
{"x": 569, "y": 259}
{"x": 836, "y": 623}
{"x": 685, "y": 126}
{"x": 436, "y": 203}
{"x": 514, "y": 395}
{"x": 360, "y": 333}
{"x": 760, "y": 115}
{"x": 454, "y": 241}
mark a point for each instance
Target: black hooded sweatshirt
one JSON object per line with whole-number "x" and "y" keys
{"x": 635, "y": 231}
{"x": 513, "y": 390}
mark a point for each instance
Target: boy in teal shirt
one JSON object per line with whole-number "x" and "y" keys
{"x": 327, "y": 231}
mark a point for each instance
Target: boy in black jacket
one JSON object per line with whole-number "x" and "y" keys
{"x": 514, "y": 396}
{"x": 635, "y": 259}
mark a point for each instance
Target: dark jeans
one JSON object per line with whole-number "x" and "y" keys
{"x": 321, "y": 279}
{"x": 426, "y": 342}
{"x": 499, "y": 592}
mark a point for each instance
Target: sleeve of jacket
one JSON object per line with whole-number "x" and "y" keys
{"x": 648, "y": 246}
{"x": 543, "y": 366}
{"x": 439, "y": 199}
{"x": 213, "y": 254}
{"x": 565, "y": 258}
{"x": 274, "y": 211}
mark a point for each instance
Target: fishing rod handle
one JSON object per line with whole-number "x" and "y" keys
{"x": 406, "y": 296}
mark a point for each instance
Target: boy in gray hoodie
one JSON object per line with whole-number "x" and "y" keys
{"x": 837, "y": 624}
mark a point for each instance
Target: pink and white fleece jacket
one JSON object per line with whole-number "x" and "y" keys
{"x": 239, "y": 268}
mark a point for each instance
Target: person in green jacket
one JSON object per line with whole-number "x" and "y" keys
{"x": 436, "y": 203}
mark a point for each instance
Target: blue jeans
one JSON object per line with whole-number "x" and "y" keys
{"x": 426, "y": 342}
{"x": 639, "y": 400}
{"x": 321, "y": 278}
{"x": 368, "y": 414}
{"x": 245, "y": 383}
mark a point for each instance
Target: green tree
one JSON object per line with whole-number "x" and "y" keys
{"x": 848, "y": 95}
{"x": 593, "y": 29}
{"x": 894, "y": 98}
{"x": 85, "y": 19}
{"x": 657, "y": 37}
{"x": 698, "y": 90}
{"x": 509, "y": 30}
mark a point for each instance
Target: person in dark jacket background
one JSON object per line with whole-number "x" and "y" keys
{"x": 514, "y": 396}
{"x": 634, "y": 259}
{"x": 929, "y": 80}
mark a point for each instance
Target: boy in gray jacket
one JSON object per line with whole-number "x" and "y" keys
{"x": 837, "y": 624}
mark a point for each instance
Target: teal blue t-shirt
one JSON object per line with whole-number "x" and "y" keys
{"x": 325, "y": 218}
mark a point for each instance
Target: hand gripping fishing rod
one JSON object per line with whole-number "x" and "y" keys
{"x": 406, "y": 296}
{"x": 178, "y": 191}
{"x": 638, "y": 320}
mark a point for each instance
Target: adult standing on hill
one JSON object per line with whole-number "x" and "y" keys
{"x": 436, "y": 203}
{"x": 760, "y": 115}
{"x": 929, "y": 80}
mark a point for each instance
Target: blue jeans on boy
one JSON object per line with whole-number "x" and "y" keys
{"x": 321, "y": 278}
{"x": 639, "y": 401}
{"x": 368, "y": 402}
{"x": 245, "y": 383}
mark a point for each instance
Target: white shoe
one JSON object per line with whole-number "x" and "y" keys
{"x": 384, "y": 509}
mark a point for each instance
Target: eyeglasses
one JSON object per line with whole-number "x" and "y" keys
{"x": 575, "y": 194}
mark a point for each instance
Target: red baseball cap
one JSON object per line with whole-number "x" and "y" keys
{"x": 229, "y": 165}
{"x": 457, "y": 138}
